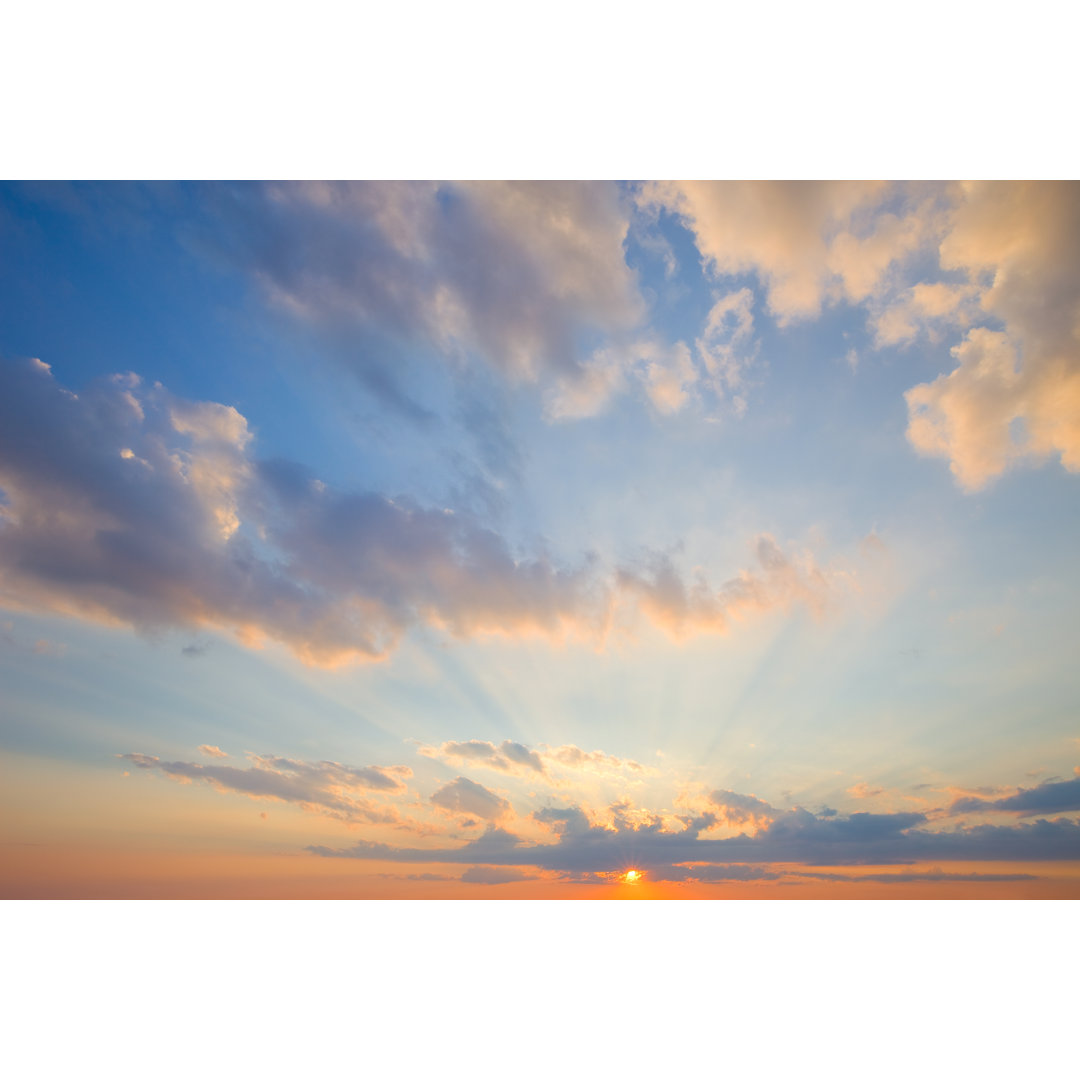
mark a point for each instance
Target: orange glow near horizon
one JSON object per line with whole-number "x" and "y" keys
{"x": 632, "y": 876}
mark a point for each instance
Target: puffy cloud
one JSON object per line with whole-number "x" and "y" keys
{"x": 154, "y": 538}
{"x": 212, "y": 751}
{"x": 464, "y": 796}
{"x": 1008, "y": 273}
{"x": 923, "y": 306}
{"x": 737, "y": 809}
{"x": 806, "y": 240}
{"x": 1049, "y": 797}
{"x": 1014, "y": 395}
{"x": 517, "y": 273}
{"x": 325, "y": 787}
{"x": 127, "y": 505}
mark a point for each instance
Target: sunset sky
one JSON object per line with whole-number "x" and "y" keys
{"x": 447, "y": 540}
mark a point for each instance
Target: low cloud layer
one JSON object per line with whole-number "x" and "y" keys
{"x": 793, "y": 837}
{"x": 1050, "y": 797}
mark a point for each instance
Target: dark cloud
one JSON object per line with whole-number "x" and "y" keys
{"x": 326, "y": 787}
{"x": 914, "y": 876}
{"x": 124, "y": 503}
{"x": 464, "y": 796}
{"x": 795, "y": 837}
{"x": 1049, "y": 797}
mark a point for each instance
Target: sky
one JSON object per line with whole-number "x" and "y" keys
{"x": 459, "y": 540}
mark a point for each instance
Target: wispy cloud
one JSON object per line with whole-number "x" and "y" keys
{"x": 325, "y": 787}
{"x": 551, "y": 764}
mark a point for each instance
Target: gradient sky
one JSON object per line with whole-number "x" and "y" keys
{"x": 457, "y": 540}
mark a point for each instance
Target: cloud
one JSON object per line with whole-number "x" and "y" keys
{"x": 544, "y": 763}
{"x": 863, "y": 790}
{"x": 325, "y": 787}
{"x": 807, "y": 241}
{"x": 682, "y": 608}
{"x": 1014, "y": 395}
{"x": 737, "y": 809}
{"x": 914, "y": 877}
{"x": 926, "y": 307}
{"x": 508, "y": 757}
{"x": 569, "y": 756}
{"x": 1007, "y": 275}
{"x": 795, "y": 837}
{"x": 212, "y": 751}
{"x": 706, "y": 874}
{"x": 1049, "y": 797}
{"x": 518, "y": 274}
{"x": 127, "y": 505}
{"x": 726, "y": 345}
{"x": 464, "y": 796}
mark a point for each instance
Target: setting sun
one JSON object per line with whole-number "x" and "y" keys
{"x": 631, "y": 876}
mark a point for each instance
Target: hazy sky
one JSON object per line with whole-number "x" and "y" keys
{"x": 499, "y": 539}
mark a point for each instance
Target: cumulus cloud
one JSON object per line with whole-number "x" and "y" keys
{"x": 1014, "y": 395}
{"x": 464, "y": 796}
{"x": 126, "y": 505}
{"x": 325, "y": 787}
{"x": 930, "y": 307}
{"x": 806, "y": 240}
{"x": 212, "y": 751}
{"x": 1007, "y": 275}
{"x": 736, "y": 809}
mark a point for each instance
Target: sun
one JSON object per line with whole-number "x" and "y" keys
{"x": 631, "y": 876}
